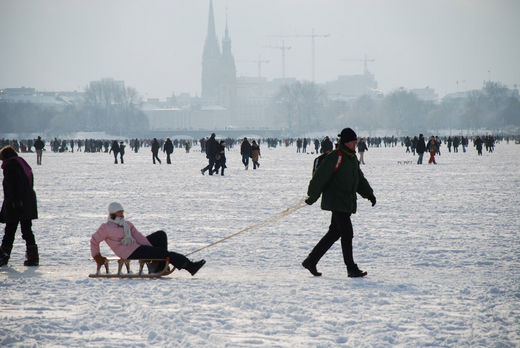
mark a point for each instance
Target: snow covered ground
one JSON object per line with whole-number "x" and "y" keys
{"x": 441, "y": 248}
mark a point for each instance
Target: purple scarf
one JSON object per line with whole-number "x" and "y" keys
{"x": 26, "y": 168}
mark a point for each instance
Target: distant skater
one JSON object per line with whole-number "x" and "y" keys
{"x": 220, "y": 162}
{"x": 420, "y": 148}
{"x": 478, "y": 145}
{"x": 211, "y": 147}
{"x": 245, "y": 151}
{"x": 255, "y": 154}
{"x": 39, "y": 145}
{"x": 432, "y": 148}
{"x": 115, "y": 149}
{"x": 121, "y": 151}
{"x": 155, "y": 150}
{"x": 326, "y": 145}
{"x": 362, "y": 147}
{"x": 168, "y": 148}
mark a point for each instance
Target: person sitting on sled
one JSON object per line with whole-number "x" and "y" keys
{"x": 128, "y": 243}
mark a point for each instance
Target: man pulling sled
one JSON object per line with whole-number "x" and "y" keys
{"x": 338, "y": 179}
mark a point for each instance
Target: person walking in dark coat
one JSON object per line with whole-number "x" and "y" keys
{"x": 421, "y": 148}
{"x": 316, "y": 145}
{"x": 121, "y": 151}
{"x": 326, "y": 145}
{"x": 211, "y": 154}
{"x": 362, "y": 147}
{"x": 115, "y": 149}
{"x": 478, "y": 144}
{"x": 220, "y": 162}
{"x": 168, "y": 148}
{"x": 39, "y": 145}
{"x": 19, "y": 206}
{"x": 338, "y": 180}
{"x": 414, "y": 144}
{"x": 456, "y": 142}
{"x": 155, "y": 150}
{"x": 245, "y": 151}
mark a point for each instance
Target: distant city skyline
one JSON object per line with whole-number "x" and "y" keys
{"x": 156, "y": 47}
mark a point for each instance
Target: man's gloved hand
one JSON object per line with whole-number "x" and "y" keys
{"x": 309, "y": 201}
{"x": 372, "y": 199}
{"x": 100, "y": 260}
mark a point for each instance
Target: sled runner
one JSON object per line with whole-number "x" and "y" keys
{"x": 120, "y": 262}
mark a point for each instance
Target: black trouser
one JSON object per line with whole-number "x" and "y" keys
{"x": 210, "y": 166}
{"x": 245, "y": 160}
{"x": 159, "y": 250}
{"x": 220, "y": 165}
{"x": 155, "y": 156}
{"x": 10, "y": 230}
{"x": 168, "y": 160}
{"x": 340, "y": 227}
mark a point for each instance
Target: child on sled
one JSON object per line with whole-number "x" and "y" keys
{"x": 128, "y": 243}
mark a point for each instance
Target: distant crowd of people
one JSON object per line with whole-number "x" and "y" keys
{"x": 433, "y": 145}
{"x": 90, "y": 145}
{"x": 215, "y": 150}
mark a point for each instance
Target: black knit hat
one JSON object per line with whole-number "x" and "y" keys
{"x": 7, "y": 152}
{"x": 346, "y": 135}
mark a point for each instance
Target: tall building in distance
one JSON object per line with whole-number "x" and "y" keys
{"x": 218, "y": 67}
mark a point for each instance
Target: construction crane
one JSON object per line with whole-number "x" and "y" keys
{"x": 365, "y": 60}
{"x": 313, "y": 36}
{"x": 258, "y": 61}
{"x": 282, "y": 48}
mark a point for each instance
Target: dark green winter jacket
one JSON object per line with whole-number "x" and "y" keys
{"x": 339, "y": 189}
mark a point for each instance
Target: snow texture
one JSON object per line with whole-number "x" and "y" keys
{"x": 441, "y": 248}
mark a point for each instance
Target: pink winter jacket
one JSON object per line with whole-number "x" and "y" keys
{"x": 112, "y": 234}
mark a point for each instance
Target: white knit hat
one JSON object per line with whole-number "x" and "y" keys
{"x": 114, "y": 207}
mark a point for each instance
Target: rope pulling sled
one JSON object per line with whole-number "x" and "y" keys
{"x": 166, "y": 270}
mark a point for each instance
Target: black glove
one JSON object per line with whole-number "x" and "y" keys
{"x": 309, "y": 201}
{"x": 372, "y": 199}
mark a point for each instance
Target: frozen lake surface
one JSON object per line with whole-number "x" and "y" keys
{"x": 441, "y": 248}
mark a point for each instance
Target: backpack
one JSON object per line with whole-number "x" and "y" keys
{"x": 319, "y": 159}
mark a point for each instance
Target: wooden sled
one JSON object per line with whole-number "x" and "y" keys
{"x": 120, "y": 262}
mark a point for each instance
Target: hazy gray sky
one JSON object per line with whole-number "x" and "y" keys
{"x": 156, "y": 45}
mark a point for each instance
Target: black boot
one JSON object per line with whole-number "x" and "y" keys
{"x": 355, "y": 272}
{"x": 4, "y": 257}
{"x": 311, "y": 266}
{"x": 31, "y": 255}
{"x": 193, "y": 267}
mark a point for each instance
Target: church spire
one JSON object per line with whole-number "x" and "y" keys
{"x": 211, "y": 47}
{"x": 229, "y": 74}
{"x": 226, "y": 32}
{"x": 218, "y": 67}
{"x": 226, "y": 41}
{"x": 210, "y": 61}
